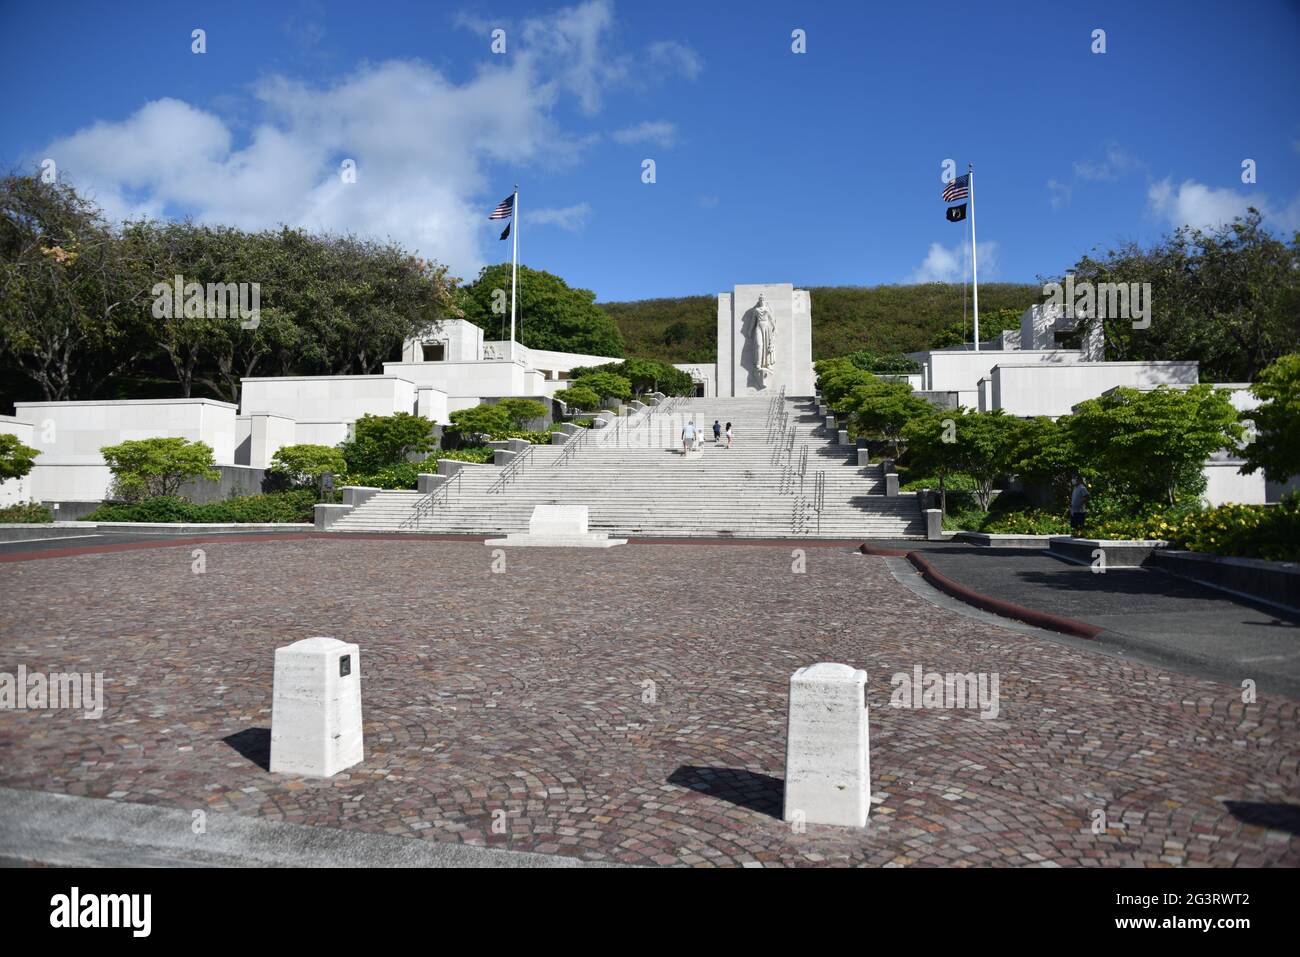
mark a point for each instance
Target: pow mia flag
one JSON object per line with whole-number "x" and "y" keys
{"x": 956, "y": 213}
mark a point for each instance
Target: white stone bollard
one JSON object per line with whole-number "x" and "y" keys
{"x": 827, "y": 755}
{"x": 316, "y": 708}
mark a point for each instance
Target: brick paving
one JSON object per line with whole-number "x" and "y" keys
{"x": 525, "y": 692}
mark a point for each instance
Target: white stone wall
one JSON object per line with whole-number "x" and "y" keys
{"x": 13, "y": 491}
{"x": 1224, "y": 483}
{"x": 961, "y": 371}
{"x": 432, "y": 404}
{"x": 322, "y": 433}
{"x": 466, "y": 380}
{"x": 462, "y": 342}
{"x": 705, "y": 373}
{"x": 344, "y": 398}
{"x": 1042, "y": 389}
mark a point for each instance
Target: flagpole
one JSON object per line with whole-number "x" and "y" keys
{"x": 514, "y": 273}
{"x": 974, "y": 260}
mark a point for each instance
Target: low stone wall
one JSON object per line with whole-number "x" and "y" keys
{"x": 1275, "y": 582}
{"x": 1115, "y": 554}
{"x": 989, "y": 539}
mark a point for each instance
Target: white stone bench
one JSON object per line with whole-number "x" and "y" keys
{"x": 558, "y": 526}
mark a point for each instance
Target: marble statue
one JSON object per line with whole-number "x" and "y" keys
{"x": 764, "y": 334}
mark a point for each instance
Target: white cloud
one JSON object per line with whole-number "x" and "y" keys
{"x": 1116, "y": 162}
{"x": 944, "y": 264}
{"x": 424, "y": 145}
{"x": 675, "y": 57}
{"x": 658, "y": 132}
{"x": 1061, "y": 193}
{"x": 566, "y": 217}
{"x": 1207, "y": 207}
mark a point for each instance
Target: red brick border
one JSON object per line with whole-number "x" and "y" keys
{"x": 1006, "y": 609}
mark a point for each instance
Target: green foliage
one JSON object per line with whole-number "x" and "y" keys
{"x": 681, "y": 329}
{"x": 553, "y": 315}
{"x": 1153, "y": 445}
{"x": 1251, "y": 531}
{"x": 643, "y": 375}
{"x": 470, "y": 453}
{"x": 25, "y": 513}
{"x": 148, "y": 468}
{"x": 1228, "y": 298}
{"x": 992, "y": 322}
{"x": 607, "y": 385}
{"x": 305, "y": 464}
{"x": 522, "y": 411}
{"x": 979, "y": 444}
{"x": 483, "y": 419}
{"x": 884, "y": 409}
{"x": 296, "y": 505}
{"x": 1044, "y": 454}
{"x": 837, "y": 378}
{"x": 578, "y": 397}
{"x": 1276, "y": 446}
{"x": 16, "y": 459}
{"x": 869, "y": 361}
{"x": 382, "y": 440}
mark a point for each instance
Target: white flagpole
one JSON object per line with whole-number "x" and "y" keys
{"x": 974, "y": 261}
{"x": 514, "y": 275}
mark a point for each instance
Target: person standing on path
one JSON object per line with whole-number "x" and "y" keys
{"x": 1079, "y": 496}
{"x": 688, "y": 437}
{"x": 728, "y": 435}
{"x": 717, "y": 432}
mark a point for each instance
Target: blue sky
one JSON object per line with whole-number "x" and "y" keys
{"x": 819, "y": 168}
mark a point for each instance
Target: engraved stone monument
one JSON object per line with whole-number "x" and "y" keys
{"x": 765, "y": 340}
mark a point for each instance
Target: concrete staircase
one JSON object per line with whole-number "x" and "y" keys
{"x": 636, "y": 483}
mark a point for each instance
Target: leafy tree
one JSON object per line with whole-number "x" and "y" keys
{"x": 607, "y": 385}
{"x": 1044, "y": 454}
{"x": 578, "y": 397}
{"x": 679, "y": 331}
{"x": 152, "y": 468}
{"x": 1276, "y": 446}
{"x": 645, "y": 375}
{"x": 1228, "y": 298}
{"x": 481, "y": 419}
{"x": 381, "y": 440}
{"x": 978, "y": 444}
{"x": 897, "y": 364}
{"x": 305, "y": 464}
{"x": 67, "y": 296}
{"x": 931, "y": 449}
{"x": 552, "y": 315}
{"x": 522, "y": 411}
{"x": 839, "y": 377}
{"x": 1154, "y": 444}
{"x": 16, "y": 459}
{"x": 884, "y": 408}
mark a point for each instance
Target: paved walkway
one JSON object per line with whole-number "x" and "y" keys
{"x": 1169, "y": 619}
{"x": 629, "y": 705}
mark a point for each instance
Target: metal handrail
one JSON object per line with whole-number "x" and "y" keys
{"x": 571, "y": 447}
{"x": 511, "y": 469}
{"x": 819, "y": 496}
{"x": 440, "y": 496}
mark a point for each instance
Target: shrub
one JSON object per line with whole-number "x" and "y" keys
{"x": 606, "y": 385}
{"x": 522, "y": 411}
{"x": 16, "y": 459}
{"x": 578, "y": 397}
{"x": 157, "y": 468}
{"x": 382, "y": 440}
{"x": 481, "y": 419}
{"x": 292, "y": 506}
{"x": 1250, "y": 531}
{"x": 305, "y": 464}
{"x": 26, "y": 513}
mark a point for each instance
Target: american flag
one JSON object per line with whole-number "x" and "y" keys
{"x": 504, "y": 208}
{"x": 957, "y": 189}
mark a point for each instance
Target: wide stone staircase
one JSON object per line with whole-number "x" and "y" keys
{"x": 782, "y": 478}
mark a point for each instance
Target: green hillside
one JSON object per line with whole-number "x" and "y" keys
{"x": 884, "y": 319}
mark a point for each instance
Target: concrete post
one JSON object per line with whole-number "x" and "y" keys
{"x": 933, "y": 525}
{"x": 326, "y": 515}
{"x": 864, "y": 457}
{"x": 831, "y": 424}
{"x": 843, "y": 438}
{"x": 316, "y": 708}
{"x": 891, "y": 483}
{"x": 827, "y": 755}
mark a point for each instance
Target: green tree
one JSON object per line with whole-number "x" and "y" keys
{"x": 150, "y": 468}
{"x": 1044, "y": 454}
{"x": 305, "y": 464}
{"x": 986, "y": 443}
{"x": 884, "y": 408}
{"x": 68, "y": 297}
{"x": 578, "y": 397}
{"x": 382, "y": 440}
{"x": 552, "y": 314}
{"x": 489, "y": 420}
{"x": 992, "y": 322}
{"x": 932, "y": 449}
{"x": 522, "y": 411}
{"x": 607, "y": 385}
{"x": 16, "y": 459}
{"x": 644, "y": 375}
{"x": 1154, "y": 445}
{"x": 1276, "y": 445}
